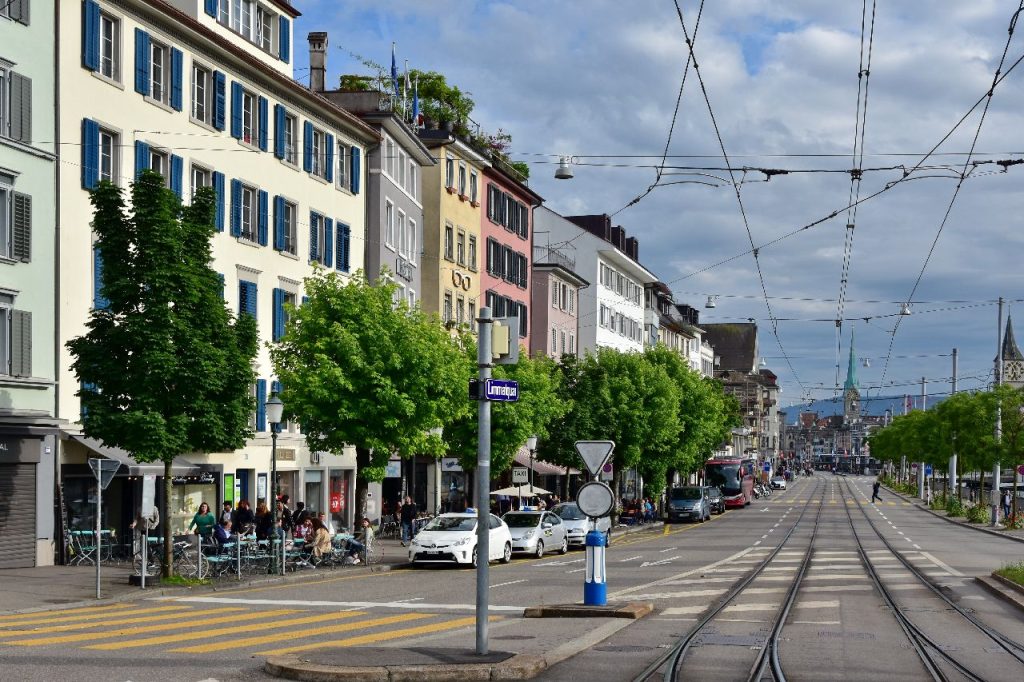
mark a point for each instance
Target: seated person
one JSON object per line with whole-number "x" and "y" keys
{"x": 318, "y": 542}
{"x": 222, "y": 533}
{"x": 365, "y": 537}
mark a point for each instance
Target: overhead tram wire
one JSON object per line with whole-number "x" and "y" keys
{"x": 996, "y": 78}
{"x": 859, "y": 128}
{"x": 736, "y": 189}
{"x": 672, "y": 126}
{"x": 907, "y": 175}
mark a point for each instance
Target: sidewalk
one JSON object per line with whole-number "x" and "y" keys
{"x": 1017, "y": 535}
{"x": 57, "y": 587}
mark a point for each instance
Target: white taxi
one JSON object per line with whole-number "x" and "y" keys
{"x": 451, "y": 538}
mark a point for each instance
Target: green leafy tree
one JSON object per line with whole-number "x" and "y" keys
{"x": 165, "y": 369}
{"x": 355, "y": 370}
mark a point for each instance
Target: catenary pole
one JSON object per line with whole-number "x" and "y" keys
{"x": 484, "y": 361}
{"x": 953, "y": 483}
{"x": 921, "y": 465}
{"x": 999, "y": 415}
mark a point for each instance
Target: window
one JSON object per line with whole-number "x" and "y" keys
{"x": 554, "y": 293}
{"x": 572, "y": 300}
{"x": 158, "y": 163}
{"x": 109, "y": 148}
{"x": 15, "y": 104}
{"x": 446, "y": 313}
{"x": 290, "y": 151}
{"x": 159, "y": 72}
{"x": 264, "y": 29}
{"x": 462, "y": 179}
{"x": 449, "y": 242}
{"x": 460, "y": 310}
{"x": 389, "y": 158}
{"x": 572, "y": 343}
{"x": 472, "y": 315}
{"x": 412, "y": 298}
{"x": 460, "y": 249}
{"x": 342, "y": 170}
{"x": 201, "y": 177}
{"x": 472, "y": 186}
{"x": 317, "y": 236}
{"x": 449, "y": 173}
{"x": 413, "y": 184}
{"x": 410, "y": 227}
{"x": 402, "y": 165}
{"x": 15, "y": 222}
{"x": 472, "y": 253}
{"x": 248, "y": 228}
{"x": 287, "y": 228}
{"x": 561, "y": 336}
{"x": 248, "y": 117}
{"x": 319, "y": 141}
{"x": 389, "y": 225}
{"x": 403, "y": 243}
{"x": 202, "y": 94}
{"x": 247, "y": 298}
{"x": 554, "y": 341}
{"x": 15, "y": 339}
{"x": 110, "y": 47}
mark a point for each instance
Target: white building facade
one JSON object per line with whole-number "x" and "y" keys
{"x": 201, "y": 91}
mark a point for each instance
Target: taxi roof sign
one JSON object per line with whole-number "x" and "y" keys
{"x": 594, "y": 453}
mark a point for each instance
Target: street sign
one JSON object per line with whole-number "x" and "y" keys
{"x": 104, "y": 470}
{"x": 607, "y": 472}
{"x": 505, "y": 340}
{"x": 594, "y": 453}
{"x": 1020, "y": 470}
{"x": 450, "y": 464}
{"x": 927, "y": 469}
{"x": 595, "y": 499}
{"x": 767, "y": 466}
{"x": 501, "y": 390}
{"x": 520, "y": 475}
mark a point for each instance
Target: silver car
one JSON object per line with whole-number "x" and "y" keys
{"x": 577, "y": 524}
{"x": 535, "y": 532}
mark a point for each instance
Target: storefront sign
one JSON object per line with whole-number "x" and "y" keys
{"x": 261, "y": 487}
{"x": 286, "y": 454}
{"x": 25, "y": 450}
{"x": 204, "y": 477}
{"x": 450, "y": 464}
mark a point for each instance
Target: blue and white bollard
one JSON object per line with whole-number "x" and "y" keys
{"x": 595, "y": 590}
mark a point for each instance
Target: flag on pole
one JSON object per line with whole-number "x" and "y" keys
{"x": 394, "y": 70}
{"x": 416, "y": 103}
{"x": 405, "y": 84}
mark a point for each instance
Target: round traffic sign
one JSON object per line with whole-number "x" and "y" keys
{"x": 595, "y": 499}
{"x": 1020, "y": 470}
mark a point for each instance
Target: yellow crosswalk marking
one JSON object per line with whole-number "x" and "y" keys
{"x": 377, "y": 637}
{"x": 216, "y": 632}
{"x": 63, "y": 612}
{"x": 94, "y": 616}
{"x": 266, "y": 639}
{"x": 832, "y": 502}
{"x": 127, "y": 632}
{"x": 120, "y": 621}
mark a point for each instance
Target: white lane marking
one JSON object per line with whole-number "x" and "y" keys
{"x": 401, "y": 601}
{"x": 790, "y": 553}
{"x": 700, "y": 581}
{"x": 832, "y": 559}
{"x": 741, "y": 620}
{"x": 561, "y": 563}
{"x": 900, "y": 532}
{"x": 771, "y": 530}
{"x": 683, "y": 610}
{"x": 944, "y": 567}
{"x": 835, "y": 552}
{"x": 511, "y": 582}
{"x": 830, "y": 604}
{"x": 342, "y": 604}
{"x": 917, "y": 546}
{"x": 764, "y": 536}
{"x": 837, "y": 576}
{"x": 738, "y": 608}
{"x": 684, "y": 594}
{"x": 622, "y": 561}
{"x": 836, "y": 588}
{"x": 576, "y": 570}
{"x": 690, "y": 620}
{"x": 757, "y": 543}
{"x": 764, "y": 509}
{"x": 977, "y": 597}
{"x": 775, "y": 526}
{"x": 764, "y": 590}
{"x": 661, "y": 562}
{"x": 680, "y": 576}
{"x": 661, "y": 551}
{"x": 816, "y": 622}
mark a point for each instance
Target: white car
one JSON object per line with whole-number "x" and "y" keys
{"x": 577, "y": 524}
{"x": 534, "y": 532}
{"x": 451, "y": 538}
{"x": 779, "y": 482}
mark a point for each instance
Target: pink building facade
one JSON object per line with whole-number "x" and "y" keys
{"x": 507, "y": 235}
{"x": 555, "y": 301}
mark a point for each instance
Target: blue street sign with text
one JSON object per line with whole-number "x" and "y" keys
{"x": 504, "y": 390}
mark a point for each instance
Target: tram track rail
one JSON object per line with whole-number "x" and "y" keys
{"x": 922, "y": 643}
{"x": 767, "y": 657}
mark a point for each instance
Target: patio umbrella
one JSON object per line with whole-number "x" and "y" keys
{"x": 521, "y": 491}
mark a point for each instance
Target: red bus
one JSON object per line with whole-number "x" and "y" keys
{"x": 734, "y": 476}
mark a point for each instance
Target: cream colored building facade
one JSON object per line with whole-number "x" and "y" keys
{"x": 201, "y": 91}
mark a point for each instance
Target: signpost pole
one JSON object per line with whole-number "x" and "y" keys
{"x": 99, "y": 535}
{"x": 483, "y": 480}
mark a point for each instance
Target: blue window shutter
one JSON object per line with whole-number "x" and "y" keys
{"x": 251, "y": 308}
{"x": 264, "y": 122}
{"x": 177, "y": 166}
{"x": 329, "y": 157}
{"x": 261, "y": 217}
{"x": 277, "y": 326}
{"x": 313, "y": 250}
{"x": 355, "y": 169}
{"x": 211, "y": 7}
{"x": 279, "y": 235}
{"x": 141, "y": 158}
{"x": 307, "y": 147}
{"x": 90, "y": 153}
{"x": 305, "y": 300}
{"x": 284, "y": 40}
{"x": 236, "y": 110}
{"x": 176, "y": 78}
{"x": 261, "y": 404}
{"x": 91, "y": 35}
{"x": 218, "y": 190}
{"x": 236, "y": 208}
{"x": 328, "y": 242}
{"x": 142, "y": 57}
{"x": 279, "y": 124}
{"x": 99, "y": 301}
{"x": 247, "y": 298}
{"x": 219, "y": 103}
{"x": 344, "y": 257}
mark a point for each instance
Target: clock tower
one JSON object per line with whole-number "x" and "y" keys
{"x": 851, "y": 396}
{"x": 1013, "y": 360}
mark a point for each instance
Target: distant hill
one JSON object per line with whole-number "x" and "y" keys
{"x": 875, "y": 406}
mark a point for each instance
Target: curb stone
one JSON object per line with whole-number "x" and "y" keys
{"x": 1004, "y": 589}
{"x": 518, "y": 667}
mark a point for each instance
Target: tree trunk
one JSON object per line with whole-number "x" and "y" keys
{"x": 565, "y": 486}
{"x": 981, "y": 489}
{"x": 363, "y": 458}
{"x": 168, "y": 569}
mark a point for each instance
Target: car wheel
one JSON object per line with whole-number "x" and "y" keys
{"x": 507, "y": 555}
{"x": 565, "y": 546}
{"x": 474, "y": 557}
{"x": 540, "y": 549}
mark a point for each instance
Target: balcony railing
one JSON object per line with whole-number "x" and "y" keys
{"x": 553, "y": 257}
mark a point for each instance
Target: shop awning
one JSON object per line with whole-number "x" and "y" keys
{"x": 539, "y": 467}
{"x": 179, "y": 467}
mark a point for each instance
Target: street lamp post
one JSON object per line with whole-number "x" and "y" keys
{"x": 275, "y": 411}
{"x": 531, "y": 445}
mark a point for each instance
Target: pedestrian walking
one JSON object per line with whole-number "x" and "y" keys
{"x": 407, "y": 517}
{"x": 874, "y": 491}
{"x": 1006, "y": 504}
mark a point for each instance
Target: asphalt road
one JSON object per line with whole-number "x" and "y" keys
{"x": 839, "y": 628}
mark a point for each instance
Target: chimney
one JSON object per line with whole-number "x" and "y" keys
{"x": 317, "y": 60}
{"x": 633, "y": 248}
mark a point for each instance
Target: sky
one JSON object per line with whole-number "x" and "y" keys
{"x": 790, "y": 88}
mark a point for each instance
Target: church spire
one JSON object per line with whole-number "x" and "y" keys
{"x": 851, "y": 369}
{"x": 1010, "y": 349}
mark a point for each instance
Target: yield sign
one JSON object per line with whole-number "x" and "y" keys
{"x": 104, "y": 470}
{"x": 595, "y": 453}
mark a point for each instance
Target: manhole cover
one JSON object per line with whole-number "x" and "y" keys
{"x": 623, "y": 648}
{"x": 731, "y": 640}
{"x": 510, "y": 637}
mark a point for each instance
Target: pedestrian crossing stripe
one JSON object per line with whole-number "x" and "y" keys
{"x": 118, "y": 621}
{"x": 217, "y": 632}
{"x": 267, "y": 639}
{"x": 128, "y": 632}
{"x": 379, "y": 637}
{"x": 39, "y": 620}
{"x": 64, "y": 612}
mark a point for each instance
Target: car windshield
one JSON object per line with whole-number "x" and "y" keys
{"x": 521, "y": 520}
{"x": 714, "y": 492}
{"x": 452, "y": 523}
{"x": 686, "y": 493}
{"x": 569, "y": 512}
